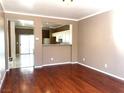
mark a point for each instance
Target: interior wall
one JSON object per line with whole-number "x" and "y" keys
{"x": 2, "y": 45}
{"x": 38, "y": 34}
{"x": 56, "y": 54}
{"x": 97, "y": 44}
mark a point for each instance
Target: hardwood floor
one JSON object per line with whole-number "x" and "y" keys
{"x": 60, "y": 79}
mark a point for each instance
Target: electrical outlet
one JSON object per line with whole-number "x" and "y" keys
{"x": 51, "y": 59}
{"x": 84, "y": 59}
{"x": 105, "y": 65}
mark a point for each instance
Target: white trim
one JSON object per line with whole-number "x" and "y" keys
{"x": 29, "y": 14}
{"x": 1, "y": 2}
{"x": 109, "y": 74}
{"x": 8, "y": 70}
{"x": 53, "y": 17}
{"x": 2, "y": 80}
{"x": 112, "y": 75}
{"x": 94, "y": 14}
{"x": 54, "y": 64}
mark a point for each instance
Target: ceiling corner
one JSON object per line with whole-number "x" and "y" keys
{"x": 1, "y": 2}
{"x": 94, "y": 14}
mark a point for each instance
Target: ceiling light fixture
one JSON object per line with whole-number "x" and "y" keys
{"x": 67, "y": 3}
{"x": 70, "y": 0}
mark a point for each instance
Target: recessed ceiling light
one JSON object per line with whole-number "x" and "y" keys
{"x": 28, "y": 3}
{"x": 67, "y": 0}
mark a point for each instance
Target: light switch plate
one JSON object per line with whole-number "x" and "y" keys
{"x": 36, "y": 38}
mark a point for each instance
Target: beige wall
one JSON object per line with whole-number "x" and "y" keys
{"x": 58, "y": 53}
{"x": 38, "y": 33}
{"x": 2, "y": 46}
{"x": 97, "y": 45}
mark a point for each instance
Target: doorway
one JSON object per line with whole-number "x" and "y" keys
{"x": 21, "y": 43}
{"x": 26, "y": 44}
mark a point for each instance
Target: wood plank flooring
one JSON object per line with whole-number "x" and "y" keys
{"x": 60, "y": 79}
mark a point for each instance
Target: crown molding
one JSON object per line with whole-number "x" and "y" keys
{"x": 29, "y": 14}
{"x": 94, "y": 14}
{"x": 61, "y": 18}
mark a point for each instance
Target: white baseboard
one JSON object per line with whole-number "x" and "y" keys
{"x": 90, "y": 67}
{"x": 54, "y": 64}
{"x": 112, "y": 75}
{"x": 2, "y": 80}
{"x": 8, "y": 70}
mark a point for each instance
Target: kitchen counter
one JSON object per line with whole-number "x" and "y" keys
{"x": 57, "y": 45}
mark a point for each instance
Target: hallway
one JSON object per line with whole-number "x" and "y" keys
{"x": 26, "y": 60}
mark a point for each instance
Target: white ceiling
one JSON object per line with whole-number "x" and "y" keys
{"x": 57, "y": 8}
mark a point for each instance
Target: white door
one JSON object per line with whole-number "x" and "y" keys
{"x": 26, "y": 44}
